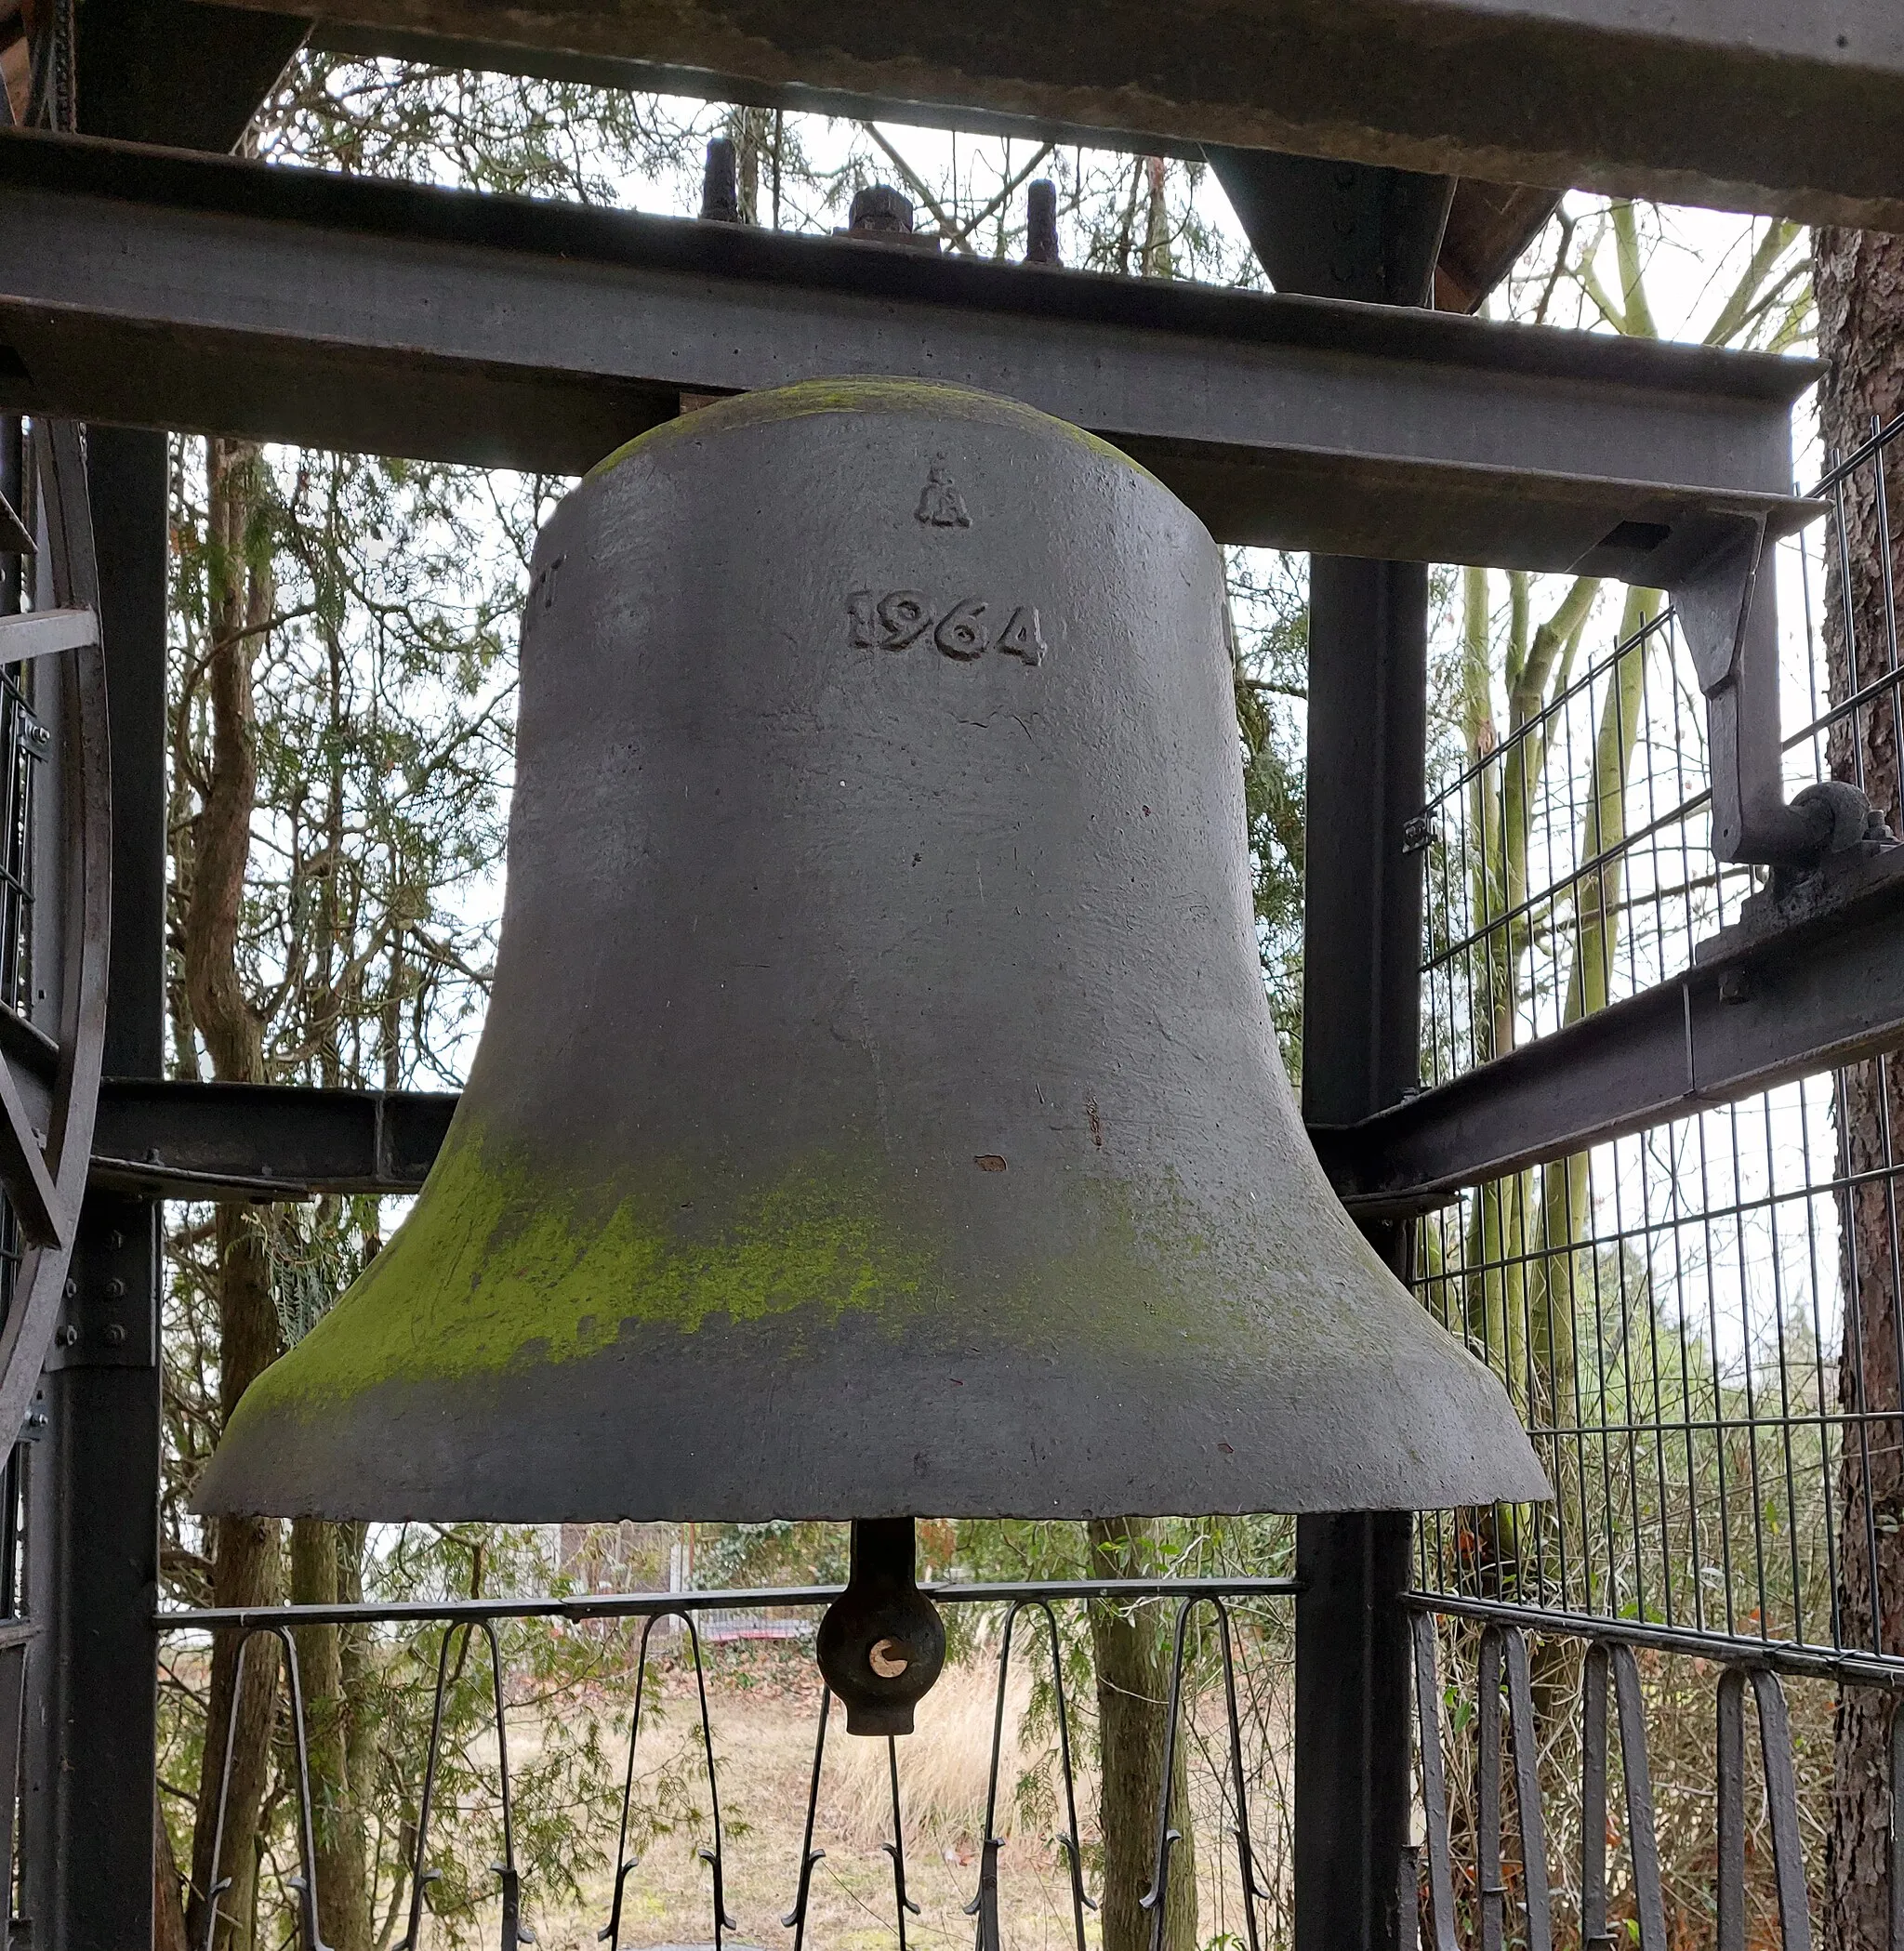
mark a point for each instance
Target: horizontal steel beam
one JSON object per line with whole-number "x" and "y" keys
{"x": 263, "y": 1141}
{"x": 1753, "y": 1013}
{"x": 1489, "y": 225}
{"x": 1756, "y": 1011}
{"x": 209, "y": 294}
{"x": 1748, "y": 104}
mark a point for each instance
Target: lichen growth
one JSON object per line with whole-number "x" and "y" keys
{"x": 943, "y": 400}
{"x": 497, "y": 1269}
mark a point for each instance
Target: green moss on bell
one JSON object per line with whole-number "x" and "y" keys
{"x": 933, "y": 397}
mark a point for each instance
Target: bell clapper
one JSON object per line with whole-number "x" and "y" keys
{"x": 881, "y": 1643}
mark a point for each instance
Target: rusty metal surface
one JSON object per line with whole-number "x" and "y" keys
{"x": 878, "y": 1112}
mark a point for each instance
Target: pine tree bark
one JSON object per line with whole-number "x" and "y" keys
{"x": 1859, "y": 282}
{"x": 343, "y": 1894}
{"x": 168, "y": 1907}
{"x": 1132, "y": 1649}
{"x": 246, "y": 1554}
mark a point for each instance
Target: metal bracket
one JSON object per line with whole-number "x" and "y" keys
{"x": 1729, "y": 614}
{"x": 109, "y": 1318}
{"x": 1713, "y": 593}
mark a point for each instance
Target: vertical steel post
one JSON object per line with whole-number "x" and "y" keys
{"x": 1348, "y": 230}
{"x": 93, "y": 1480}
{"x": 1362, "y": 930}
{"x": 177, "y": 73}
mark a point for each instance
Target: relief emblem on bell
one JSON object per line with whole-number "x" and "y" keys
{"x": 878, "y": 1112}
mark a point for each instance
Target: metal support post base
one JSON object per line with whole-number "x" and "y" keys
{"x": 1351, "y": 1730}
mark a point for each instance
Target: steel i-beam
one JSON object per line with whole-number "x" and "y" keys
{"x": 1745, "y": 104}
{"x": 160, "y": 289}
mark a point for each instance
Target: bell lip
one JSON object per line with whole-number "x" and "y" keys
{"x": 351, "y": 1511}
{"x": 271, "y": 1467}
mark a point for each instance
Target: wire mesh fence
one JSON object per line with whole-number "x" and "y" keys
{"x": 1701, "y": 1324}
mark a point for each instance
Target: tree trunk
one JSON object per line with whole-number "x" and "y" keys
{"x": 245, "y": 1569}
{"x": 1859, "y": 279}
{"x": 1131, "y": 1645}
{"x": 244, "y": 1572}
{"x": 1158, "y": 260}
{"x": 168, "y": 1908}
{"x": 343, "y": 1896}
{"x": 751, "y": 131}
{"x": 358, "y": 1675}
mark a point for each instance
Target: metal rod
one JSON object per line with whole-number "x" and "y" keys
{"x": 1527, "y": 1790}
{"x": 1642, "y": 1826}
{"x": 1433, "y": 1785}
{"x": 711, "y": 1854}
{"x": 1489, "y": 1888}
{"x": 610, "y": 1932}
{"x": 1893, "y": 1839}
{"x": 1731, "y": 1767}
{"x": 625, "y": 1865}
{"x": 796, "y": 1920}
{"x": 1775, "y": 1655}
{"x": 903, "y": 1906}
{"x": 305, "y": 1883}
{"x": 1156, "y": 1898}
{"x": 656, "y": 1605}
{"x": 420, "y": 1875}
{"x": 1594, "y": 1935}
{"x": 984, "y": 1904}
{"x": 512, "y": 1932}
{"x": 1781, "y": 1801}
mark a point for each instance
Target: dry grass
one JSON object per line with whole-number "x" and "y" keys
{"x": 763, "y": 1733}
{"x": 947, "y": 1766}
{"x": 765, "y": 1742}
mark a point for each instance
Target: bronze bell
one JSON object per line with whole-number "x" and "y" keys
{"x": 878, "y": 1112}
